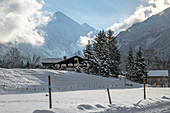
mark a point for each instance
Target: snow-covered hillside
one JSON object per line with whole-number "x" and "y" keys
{"x": 61, "y": 36}
{"x": 153, "y": 33}
{"x": 18, "y": 80}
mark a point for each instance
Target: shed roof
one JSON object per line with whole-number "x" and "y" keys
{"x": 158, "y": 73}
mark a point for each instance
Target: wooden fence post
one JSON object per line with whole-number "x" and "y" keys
{"x": 144, "y": 89}
{"x": 49, "y": 85}
{"x": 109, "y": 96}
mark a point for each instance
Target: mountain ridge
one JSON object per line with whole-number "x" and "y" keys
{"x": 149, "y": 34}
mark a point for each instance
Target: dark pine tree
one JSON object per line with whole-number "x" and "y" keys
{"x": 140, "y": 65}
{"x": 130, "y": 64}
{"x": 99, "y": 46}
{"x": 113, "y": 54}
{"x": 89, "y": 62}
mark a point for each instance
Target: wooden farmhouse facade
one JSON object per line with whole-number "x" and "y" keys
{"x": 158, "y": 78}
{"x": 63, "y": 64}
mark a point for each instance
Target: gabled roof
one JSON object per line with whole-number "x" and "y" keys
{"x": 51, "y": 60}
{"x": 71, "y": 60}
{"x": 61, "y": 61}
{"x": 158, "y": 73}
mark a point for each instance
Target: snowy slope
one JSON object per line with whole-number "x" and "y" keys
{"x": 18, "y": 80}
{"x": 153, "y": 33}
{"x": 62, "y": 34}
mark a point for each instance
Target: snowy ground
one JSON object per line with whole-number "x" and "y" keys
{"x": 25, "y": 91}
{"x": 124, "y": 101}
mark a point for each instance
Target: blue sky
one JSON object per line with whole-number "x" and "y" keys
{"x": 100, "y": 14}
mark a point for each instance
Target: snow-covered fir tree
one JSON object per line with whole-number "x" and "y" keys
{"x": 89, "y": 63}
{"x": 87, "y": 53}
{"x": 78, "y": 67}
{"x": 113, "y": 54}
{"x": 140, "y": 65}
{"x": 100, "y": 48}
{"x": 130, "y": 64}
{"x": 103, "y": 57}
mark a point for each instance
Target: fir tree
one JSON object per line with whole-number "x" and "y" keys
{"x": 130, "y": 64}
{"x": 89, "y": 62}
{"x": 141, "y": 67}
{"x": 100, "y": 46}
{"x": 103, "y": 57}
{"x": 113, "y": 54}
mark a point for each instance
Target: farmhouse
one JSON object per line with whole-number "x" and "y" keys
{"x": 63, "y": 64}
{"x": 158, "y": 78}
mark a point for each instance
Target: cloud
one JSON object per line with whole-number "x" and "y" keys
{"x": 83, "y": 41}
{"x": 142, "y": 13}
{"x": 19, "y": 19}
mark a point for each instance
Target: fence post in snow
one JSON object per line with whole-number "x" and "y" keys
{"x": 49, "y": 85}
{"x": 109, "y": 96}
{"x": 144, "y": 89}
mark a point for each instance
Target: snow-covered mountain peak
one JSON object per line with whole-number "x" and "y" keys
{"x": 59, "y": 13}
{"x": 62, "y": 34}
{"x": 62, "y": 18}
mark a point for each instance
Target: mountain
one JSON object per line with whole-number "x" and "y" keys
{"x": 87, "y": 27}
{"x": 62, "y": 34}
{"x": 151, "y": 34}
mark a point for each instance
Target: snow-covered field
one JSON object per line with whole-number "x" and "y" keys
{"x": 25, "y": 91}
{"x": 36, "y": 80}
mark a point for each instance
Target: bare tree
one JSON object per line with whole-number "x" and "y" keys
{"x": 13, "y": 59}
{"x": 33, "y": 61}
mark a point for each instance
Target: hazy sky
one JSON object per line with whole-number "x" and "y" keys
{"x": 100, "y": 14}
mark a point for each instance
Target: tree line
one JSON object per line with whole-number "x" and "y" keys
{"x": 102, "y": 57}
{"x": 15, "y": 59}
{"x": 136, "y": 67}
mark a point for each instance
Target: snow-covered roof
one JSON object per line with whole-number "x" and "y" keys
{"x": 51, "y": 60}
{"x": 158, "y": 73}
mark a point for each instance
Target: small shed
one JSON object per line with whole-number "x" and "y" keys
{"x": 58, "y": 63}
{"x": 158, "y": 78}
